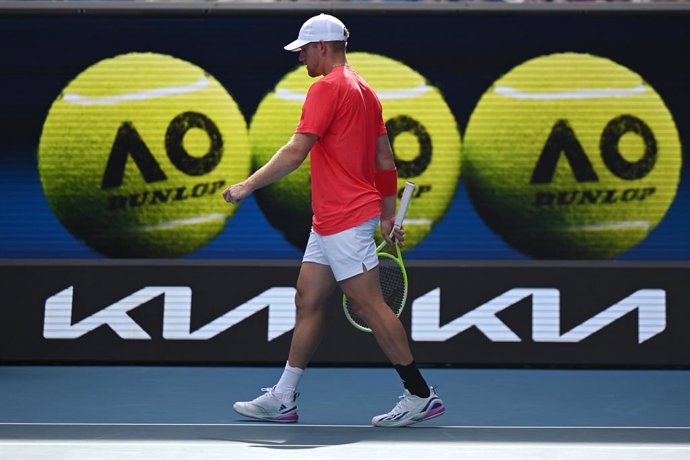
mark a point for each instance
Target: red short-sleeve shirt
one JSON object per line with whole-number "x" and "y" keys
{"x": 346, "y": 115}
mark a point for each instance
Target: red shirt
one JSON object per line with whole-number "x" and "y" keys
{"x": 346, "y": 115}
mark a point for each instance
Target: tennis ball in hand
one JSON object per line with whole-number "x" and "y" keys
{"x": 135, "y": 152}
{"x": 571, "y": 156}
{"x": 421, "y": 127}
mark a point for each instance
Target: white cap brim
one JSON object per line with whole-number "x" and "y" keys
{"x": 296, "y": 45}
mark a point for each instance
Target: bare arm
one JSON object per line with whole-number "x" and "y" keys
{"x": 384, "y": 153}
{"x": 385, "y": 161}
{"x": 286, "y": 159}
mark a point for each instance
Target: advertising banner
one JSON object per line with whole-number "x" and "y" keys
{"x": 509, "y": 314}
{"x": 548, "y": 148}
{"x": 530, "y": 136}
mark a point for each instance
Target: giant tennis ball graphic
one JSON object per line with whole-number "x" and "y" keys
{"x": 135, "y": 152}
{"x": 571, "y": 156}
{"x": 421, "y": 127}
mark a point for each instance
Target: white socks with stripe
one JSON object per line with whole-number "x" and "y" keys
{"x": 287, "y": 385}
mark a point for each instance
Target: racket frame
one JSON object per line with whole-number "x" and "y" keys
{"x": 397, "y": 258}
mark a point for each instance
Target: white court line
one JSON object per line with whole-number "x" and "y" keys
{"x": 81, "y": 442}
{"x": 303, "y": 425}
{"x": 360, "y": 444}
{"x": 222, "y": 449}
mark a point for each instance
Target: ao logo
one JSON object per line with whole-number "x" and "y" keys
{"x": 134, "y": 154}
{"x": 571, "y": 156}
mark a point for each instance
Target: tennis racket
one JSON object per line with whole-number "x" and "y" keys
{"x": 392, "y": 274}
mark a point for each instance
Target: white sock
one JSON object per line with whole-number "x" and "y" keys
{"x": 287, "y": 385}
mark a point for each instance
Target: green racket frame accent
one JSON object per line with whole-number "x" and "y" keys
{"x": 398, "y": 260}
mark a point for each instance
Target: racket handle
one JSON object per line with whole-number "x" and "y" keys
{"x": 404, "y": 203}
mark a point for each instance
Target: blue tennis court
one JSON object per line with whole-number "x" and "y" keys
{"x": 123, "y": 412}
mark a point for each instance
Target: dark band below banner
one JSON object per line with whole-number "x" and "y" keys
{"x": 603, "y": 314}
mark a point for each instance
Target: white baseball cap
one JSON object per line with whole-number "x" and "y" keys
{"x": 322, "y": 27}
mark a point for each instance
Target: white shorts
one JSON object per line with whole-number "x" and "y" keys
{"x": 345, "y": 252}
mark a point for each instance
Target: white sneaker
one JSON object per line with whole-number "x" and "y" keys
{"x": 411, "y": 409}
{"x": 269, "y": 408}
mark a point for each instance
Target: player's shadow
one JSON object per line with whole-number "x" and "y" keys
{"x": 295, "y": 437}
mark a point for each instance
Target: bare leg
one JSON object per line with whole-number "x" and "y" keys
{"x": 364, "y": 292}
{"x": 314, "y": 285}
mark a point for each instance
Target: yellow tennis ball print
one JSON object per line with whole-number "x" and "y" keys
{"x": 135, "y": 152}
{"x": 571, "y": 156}
{"x": 421, "y": 127}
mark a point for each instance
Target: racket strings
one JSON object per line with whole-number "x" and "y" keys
{"x": 392, "y": 286}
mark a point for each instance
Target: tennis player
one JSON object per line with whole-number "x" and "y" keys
{"x": 354, "y": 186}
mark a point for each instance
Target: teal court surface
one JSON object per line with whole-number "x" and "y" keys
{"x": 151, "y": 412}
